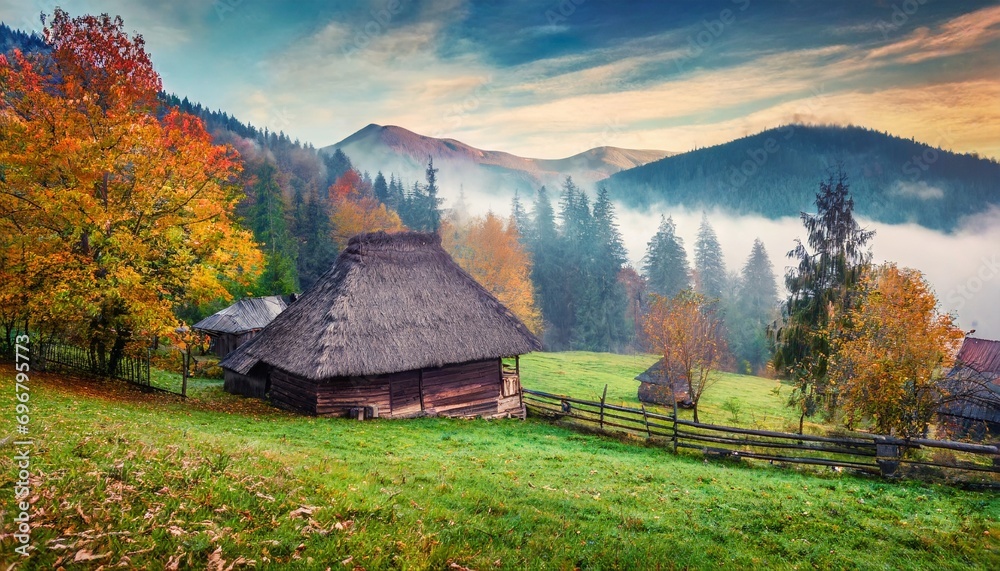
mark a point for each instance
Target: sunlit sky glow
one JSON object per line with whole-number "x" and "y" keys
{"x": 550, "y": 79}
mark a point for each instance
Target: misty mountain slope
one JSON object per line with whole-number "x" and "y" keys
{"x": 395, "y": 149}
{"x": 776, "y": 173}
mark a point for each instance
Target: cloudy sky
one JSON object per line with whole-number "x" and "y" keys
{"x": 550, "y": 79}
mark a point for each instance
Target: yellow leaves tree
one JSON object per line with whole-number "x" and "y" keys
{"x": 356, "y": 210}
{"x": 113, "y": 210}
{"x": 889, "y": 351}
{"x": 489, "y": 249}
{"x": 686, "y": 330}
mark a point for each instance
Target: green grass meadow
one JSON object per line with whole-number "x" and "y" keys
{"x": 135, "y": 480}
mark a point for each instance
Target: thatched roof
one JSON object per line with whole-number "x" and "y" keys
{"x": 390, "y": 303}
{"x": 657, "y": 374}
{"x": 246, "y": 314}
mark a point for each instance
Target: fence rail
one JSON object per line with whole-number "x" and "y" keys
{"x": 868, "y": 453}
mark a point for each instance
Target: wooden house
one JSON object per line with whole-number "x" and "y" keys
{"x": 654, "y": 386}
{"x": 240, "y": 322}
{"x": 972, "y": 390}
{"x": 395, "y": 328}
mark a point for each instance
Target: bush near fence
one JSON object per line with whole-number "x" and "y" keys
{"x": 875, "y": 454}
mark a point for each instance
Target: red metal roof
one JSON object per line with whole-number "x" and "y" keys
{"x": 982, "y": 355}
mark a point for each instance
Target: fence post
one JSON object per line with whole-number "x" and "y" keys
{"x": 604, "y": 396}
{"x": 887, "y": 456}
{"x": 646, "y": 420}
{"x": 674, "y": 439}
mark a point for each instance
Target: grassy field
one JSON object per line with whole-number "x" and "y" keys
{"x": 583, "y": 375}
{"x": 218, "y": 482}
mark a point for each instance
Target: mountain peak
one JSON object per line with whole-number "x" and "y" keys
{"x": 391, "y": 148}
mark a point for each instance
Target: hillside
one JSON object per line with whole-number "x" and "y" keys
{"x": 398, "y": 150}
{"x": 136, "y": 480}
{"x": 776, "y": 173}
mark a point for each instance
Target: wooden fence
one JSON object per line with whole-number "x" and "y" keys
{"x": 51, "y": 356}
{"x": 874, "y": 454}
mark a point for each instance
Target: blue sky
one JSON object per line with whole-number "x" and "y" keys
{"x": 550, "y": 79}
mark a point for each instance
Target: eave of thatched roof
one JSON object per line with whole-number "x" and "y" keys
{"x": 657, "y": 375}
{"x": 391, "y": 302}
{"x": 247, "y": 314}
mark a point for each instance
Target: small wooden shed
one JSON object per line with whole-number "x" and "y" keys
{"x": 396, "y": 327}
{"x": 654, "y": 386}
{"x": 238, "y": 323}
{"x": 972, "y": 390}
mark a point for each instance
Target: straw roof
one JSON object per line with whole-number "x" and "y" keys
{"x": 390, "y": 303}
{"x": 245, "y": 315}
{"x": 657, "y": 374}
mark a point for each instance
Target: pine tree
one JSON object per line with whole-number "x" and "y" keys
{"x": 822, "y": 281}
{"x": 666, "y": 266}
{"x": 710, "y": 268}
{"x": 381, "y": 189}
{"x": 751, "y": 309}
{"x": 267, "y": 219}
{"x": 432, "y": 207}
{"x": 542, "y": 246}
{"x": 520, "y": 217}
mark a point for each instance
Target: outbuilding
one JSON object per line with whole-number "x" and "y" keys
{"x": 238, "y": 323}
{"x": 394, "y": 329}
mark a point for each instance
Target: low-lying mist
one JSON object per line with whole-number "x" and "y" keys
{"x": 963, "y": 267}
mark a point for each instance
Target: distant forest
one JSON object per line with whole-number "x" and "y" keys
{"x": 774, "y": 174}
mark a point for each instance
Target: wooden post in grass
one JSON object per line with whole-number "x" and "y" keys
{"x": 646, "y": 420}
{"x": 604, "y": 396}
{"x": 674, "y": 399}
{"x": 887, "y": 455}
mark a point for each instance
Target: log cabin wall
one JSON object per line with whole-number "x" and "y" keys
{"x": 464, "y": 390}
{"x": 293, "y": 393}
{"x": 252, "y": 384}
{"x": 468, "y": 389}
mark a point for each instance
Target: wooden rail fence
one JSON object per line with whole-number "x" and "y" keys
{"x": 874, "y": 454}
{"x": 50, "y": 356}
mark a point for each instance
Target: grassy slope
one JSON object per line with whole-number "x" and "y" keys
{"x": 583, "y": 375}
{"x": 143, "y": 479}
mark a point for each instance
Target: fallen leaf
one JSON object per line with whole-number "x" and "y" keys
{"x": 302, "y": 511}
{"x": 87, "y": 555}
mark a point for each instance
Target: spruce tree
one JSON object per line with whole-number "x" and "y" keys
{"x": 381, "y": 189}
{"x": 666, "y": 264}
{"x": 752, "y": 309}
{"x": 822, "y": 280}
{"x": 710, "y": 268}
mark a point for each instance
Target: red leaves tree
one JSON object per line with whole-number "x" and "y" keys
{"x": 111, "y": 216}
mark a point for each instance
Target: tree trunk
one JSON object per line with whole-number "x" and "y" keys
{"x": 802, "y": 418}
{"x": 696, "y": 411}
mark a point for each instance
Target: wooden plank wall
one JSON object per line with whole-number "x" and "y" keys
{"x": 465, "y": 390}
{"x": 293, "y": 393}
{"x": 469, "y": 389}
{"x": 253, "y": 384}
{"x": 404, "y": 394}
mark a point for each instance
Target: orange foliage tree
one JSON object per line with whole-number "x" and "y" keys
{"x": 112, "y": 211}
{"x": 356, "y": 210}
{"x": 889, "y": 351}
{"x": 686, "y": 330}
{"x": 490, "y": 250}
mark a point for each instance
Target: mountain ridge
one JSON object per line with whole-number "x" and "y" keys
{"x": 391, "y": 148}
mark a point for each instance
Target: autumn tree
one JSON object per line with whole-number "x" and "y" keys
{"x": 115, "y": 211}
{"x": 687, "y": 331}
{"x": 820, "y": 284}
{"x": 488, "y": 249}
{"x": 888, "y": 352}
{"x": 356, "y": 210}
